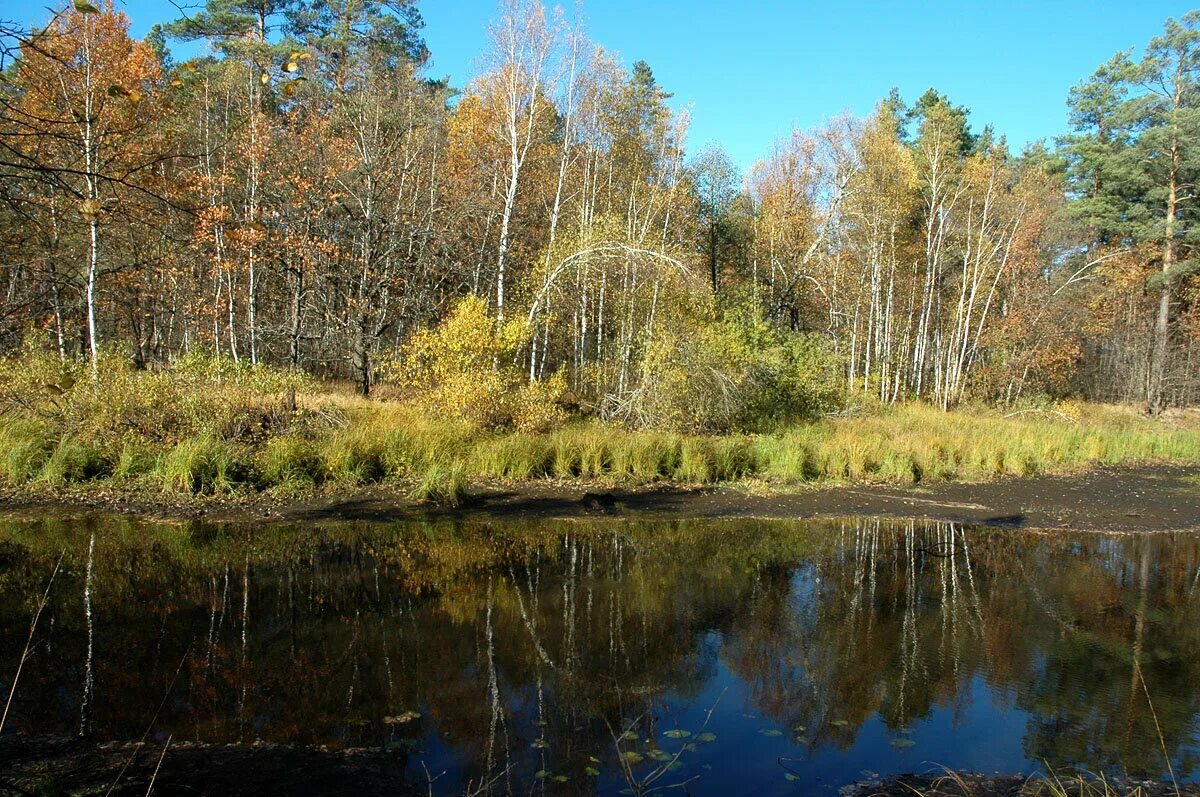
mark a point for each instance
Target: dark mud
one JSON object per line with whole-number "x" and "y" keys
{"x": 75, "y": 766}
{"x": 973, "y": 785}
{"x": 1162, "y": 498}
{"x": 1142, "y": 498}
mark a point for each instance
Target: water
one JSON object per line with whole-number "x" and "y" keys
{"x": 736, "y": 657}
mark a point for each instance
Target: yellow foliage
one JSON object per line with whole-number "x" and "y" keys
{"x": 464, "y": 368}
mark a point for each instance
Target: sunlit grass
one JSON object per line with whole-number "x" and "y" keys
{"x": 345, "y": 440}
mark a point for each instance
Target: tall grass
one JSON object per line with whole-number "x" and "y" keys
{"x": 255, "y": 442}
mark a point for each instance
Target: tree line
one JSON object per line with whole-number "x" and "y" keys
{"x": 303, "y": 193}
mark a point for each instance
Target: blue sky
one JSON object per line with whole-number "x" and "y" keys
{"x": 751, "y": 71}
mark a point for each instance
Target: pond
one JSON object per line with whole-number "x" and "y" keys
{"x": 601, "y": 656}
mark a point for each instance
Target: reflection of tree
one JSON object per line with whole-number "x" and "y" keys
{"x": 521, "y": 646}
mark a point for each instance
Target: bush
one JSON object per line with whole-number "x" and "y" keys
{"x": 734, "y": 374}
{"x": 463, "y": 370}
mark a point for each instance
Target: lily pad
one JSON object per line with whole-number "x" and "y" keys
{"x": 542, "y": 774}
{"x": 771, "y": 732}
{"x": 902, "y": 743}
{"x": 592, "y": 771}
{"x": 677, "y": 733}
{"x": 792, "y": 777}
{"x": 559, "y": 778}
{"x": 706, "y": 737}
{"x": 633, "y": 756}
{"x": 629, "y": 736}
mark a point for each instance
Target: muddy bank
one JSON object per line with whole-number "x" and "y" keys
{"x": 1143, "y": 498}
{"x": 74, "y": 766}
{"x": 974, "y": 785}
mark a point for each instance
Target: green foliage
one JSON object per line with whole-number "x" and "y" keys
{"x": 738, "y": 373}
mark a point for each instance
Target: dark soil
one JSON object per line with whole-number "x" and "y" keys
{"x": 1143, "y": 498}
{"x": 1162, "y": 498}
{"x": 75, "y": 766}
{"x": 972, "y": 785}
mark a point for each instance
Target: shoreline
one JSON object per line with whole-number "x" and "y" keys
{"x": 1141, "y": 498}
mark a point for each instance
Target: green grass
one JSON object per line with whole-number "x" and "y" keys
{"x": 204, "y": 465}
{"x": 337, "y": 441}
{"x": 441, "y": 484}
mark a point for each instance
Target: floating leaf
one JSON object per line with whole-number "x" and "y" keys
{"x": 84, "y": 7}
{"x": 662, "y": 755}
{"x": 677, "y": 733}
{"x": 798, "y": 728}
{"x": 403, "y": 717}
{"x": 539, "y": 744}
{"x": 633, "y": 756}
{"x": 542, "y": 774}
{"x": 629, "y": 736}
{"x": 706, "y": 737}
{"x": 840, "y": 723}
{"x": 902, "y": 743}
{"x": 559, "y": 778}
{"x": 770, "y": 732}
{"x": 591, "y": 771}
{"x": 792, "y": 777}
{"x": 593, "y": 759}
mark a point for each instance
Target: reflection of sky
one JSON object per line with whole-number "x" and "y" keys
{"x": 981, "y": 731}
{"x": 769, "y": 635}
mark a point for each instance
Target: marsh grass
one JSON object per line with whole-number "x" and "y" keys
{"x": 442, "y": 484}
{"x": 336, "y": 439}
{"x": 204, "y": 465}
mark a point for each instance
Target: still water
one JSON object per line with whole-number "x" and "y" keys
{"x": 607, "y": 657}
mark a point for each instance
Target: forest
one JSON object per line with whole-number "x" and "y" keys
{"x": 302, "y": 205}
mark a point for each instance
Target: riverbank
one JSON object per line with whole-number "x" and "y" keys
{"x": 1130, "y": 498}
{"x": 974, "y": 785}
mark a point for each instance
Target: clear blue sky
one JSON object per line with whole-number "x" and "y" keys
{"x": 751, "y": 70}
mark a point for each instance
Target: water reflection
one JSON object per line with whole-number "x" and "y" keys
{"x": 734, "y": 657}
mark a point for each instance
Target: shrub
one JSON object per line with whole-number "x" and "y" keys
{"x": 733, "y": 374}
{"x": 463, "y": 369}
